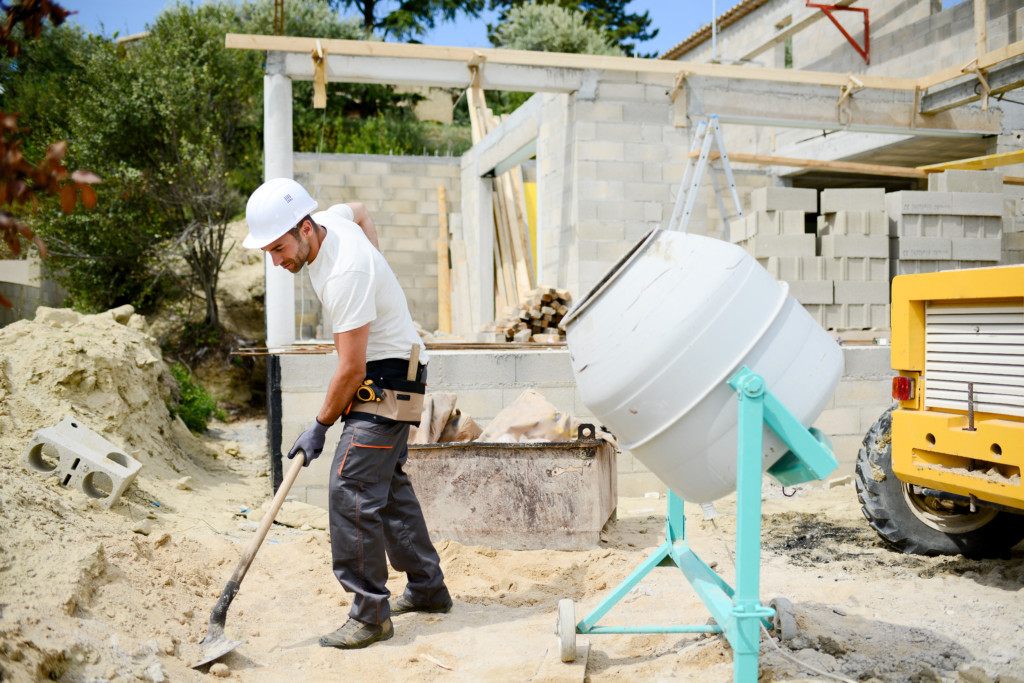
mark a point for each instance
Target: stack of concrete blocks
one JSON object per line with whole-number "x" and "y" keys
{"x": 957, "y": 224}
{"x": 773, "y": 232}
{"x": 1013, "y": 224}
{"x": 853, "y": 237}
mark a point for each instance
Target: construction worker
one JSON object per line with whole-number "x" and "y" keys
{"x": 372, "y": 506}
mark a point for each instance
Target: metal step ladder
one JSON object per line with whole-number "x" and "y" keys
{"x": 696, "y": 165}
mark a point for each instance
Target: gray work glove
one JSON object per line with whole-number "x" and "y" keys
{"x": 310, "y": 442}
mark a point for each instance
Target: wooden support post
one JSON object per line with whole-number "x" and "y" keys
{"x": 444, "y": 291}
{"x": 980, "y": 34}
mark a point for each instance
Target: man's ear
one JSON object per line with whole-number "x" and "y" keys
{"x": 306, "y": 227}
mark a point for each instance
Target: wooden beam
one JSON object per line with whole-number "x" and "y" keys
{"x": 980, "y": 21}
{"x": 815, "y": 164}
{"x": 444, "y": 291}
{"x": 978, "y": 163}
{"x": 548, "y": 60}
{"x": 991, "y": 161}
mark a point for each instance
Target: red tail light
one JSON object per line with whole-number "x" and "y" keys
{"x": 902, "y": 388}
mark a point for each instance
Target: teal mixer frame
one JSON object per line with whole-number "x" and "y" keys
{"x": 737, "y": 613}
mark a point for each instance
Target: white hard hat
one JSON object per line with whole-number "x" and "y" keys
{"x": 275, "y": 208}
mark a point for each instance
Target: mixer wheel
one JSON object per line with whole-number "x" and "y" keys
{"x": 784, "y": 621}
{"x": 566, "y": 630}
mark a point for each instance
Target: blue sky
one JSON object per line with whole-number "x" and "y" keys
{"x": 676, "y": 20}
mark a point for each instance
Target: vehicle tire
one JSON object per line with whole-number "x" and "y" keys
{"x": 922, "y": 525}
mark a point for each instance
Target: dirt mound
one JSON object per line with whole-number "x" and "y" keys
{"x": 59, "y": 547}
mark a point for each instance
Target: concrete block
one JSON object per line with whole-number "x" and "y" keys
{"x": 784, "y": 199}
{"x": 835, "y": 246}
{"x": 981, "y": 226}
{"x": 859, "y": 392}
{"x": 925, "y": 248}
{"x": 978, "y": 203}
{"x": 790, "y": 222}
{"x": 878, "y": 223}
{"x": 852, "y": 199}
{"x": 498, "y": 368}
{"x": 544, "y": 368}
{"x": 977, "y": 249}
{"x": 847, "y": 292}
{"x": 762, "y": 246}
{"x": 867, "y": 362}
{"x": 913, "y": 267}
{"x": 859, "y": 269}
{"x": 966, "y": 181}
{"x": 80, "y": 458}
{"x": 761, "y": 223}
{"x": 812, "y": 291}
{"x": 738, "y": 229}
{"x": 914, "y": 201}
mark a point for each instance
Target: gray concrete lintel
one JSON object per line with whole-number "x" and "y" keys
{"x": 801, "y": 105}
{"x": 1004, "y": 78}
{"x": 435, "y": 73}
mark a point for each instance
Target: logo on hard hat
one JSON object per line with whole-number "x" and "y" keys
{"x": 288, "y": 198}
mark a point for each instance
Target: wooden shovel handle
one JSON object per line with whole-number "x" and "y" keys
{"x": 268, "y": 519}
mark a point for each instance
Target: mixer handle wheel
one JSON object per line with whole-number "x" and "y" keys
{"x": 784, "y": 621}
{"x": 566, "y": 630}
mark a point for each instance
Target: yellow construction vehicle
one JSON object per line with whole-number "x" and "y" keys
{"x": 940, "y": 472}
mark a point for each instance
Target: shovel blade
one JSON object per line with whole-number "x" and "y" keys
{"x": 215, "y": 646}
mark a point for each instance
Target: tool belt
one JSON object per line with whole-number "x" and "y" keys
{"x": 387, "y": 395}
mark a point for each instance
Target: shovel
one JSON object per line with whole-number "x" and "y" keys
{"x": 216, "y": 644}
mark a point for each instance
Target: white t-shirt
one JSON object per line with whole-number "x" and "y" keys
{"x": 356, "y": 286}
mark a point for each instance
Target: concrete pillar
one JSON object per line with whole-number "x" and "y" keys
{"x": 478, "y": 233}
{"x": 277, "y": 163}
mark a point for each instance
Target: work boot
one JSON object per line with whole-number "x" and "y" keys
{"x": 356, "y": 634}
{"x": 401, "y": 605}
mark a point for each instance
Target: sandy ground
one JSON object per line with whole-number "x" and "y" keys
{"x": 124, "y": 594}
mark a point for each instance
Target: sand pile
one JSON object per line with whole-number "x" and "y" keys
{"x": 59, "y": 548}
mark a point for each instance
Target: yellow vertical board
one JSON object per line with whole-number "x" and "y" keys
{"x": 530, "y": 190}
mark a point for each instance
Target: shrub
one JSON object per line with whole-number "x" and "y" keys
{"x": 195, "y": 405}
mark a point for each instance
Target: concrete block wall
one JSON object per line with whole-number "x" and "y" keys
{"x": 627, "y": 160}
{"x": 401, "y": 194}
{"x": 488, "y": 381}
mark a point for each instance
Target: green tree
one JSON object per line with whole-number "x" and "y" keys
{"x": 551, "y": 28}
{"x": 625, "y": 28}
{"x": 24, "y": 183}
{"x": 411, "y": 18}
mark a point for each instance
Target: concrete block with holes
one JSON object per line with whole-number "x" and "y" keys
{"x": 82, "y": 459}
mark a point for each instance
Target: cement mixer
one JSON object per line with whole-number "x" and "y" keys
{"x": 710, "y": 374}
{"x": 653, "y": 344}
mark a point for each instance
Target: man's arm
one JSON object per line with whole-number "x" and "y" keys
{"x": 348, "y": 375}
{"x": 361, "y": 216}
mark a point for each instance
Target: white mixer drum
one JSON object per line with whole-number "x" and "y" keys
{"x": 654, "y": 343}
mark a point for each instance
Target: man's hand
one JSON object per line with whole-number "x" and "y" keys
{"x": 310, "y": 442}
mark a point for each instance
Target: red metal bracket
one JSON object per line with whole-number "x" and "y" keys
{"x": 865, "y": 51}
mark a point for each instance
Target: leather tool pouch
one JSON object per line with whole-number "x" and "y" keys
{"x": 402, "y": 401}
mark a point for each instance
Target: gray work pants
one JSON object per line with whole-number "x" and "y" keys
{"x": 374, "y": 511}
